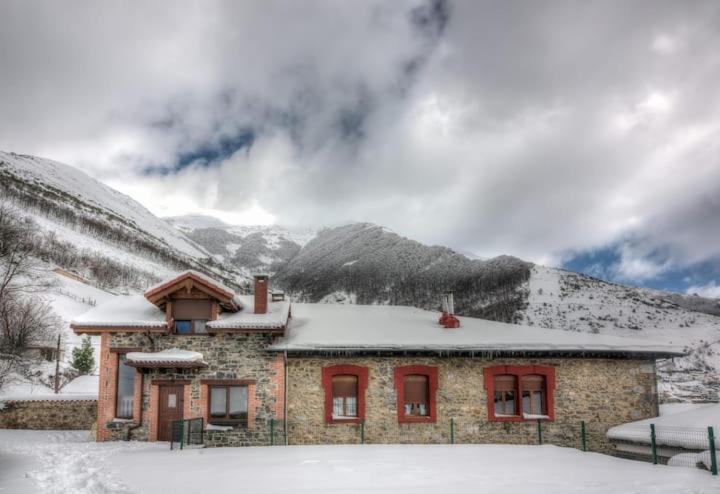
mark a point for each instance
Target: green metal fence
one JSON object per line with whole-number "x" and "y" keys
{"x": 692, "y": 447}
{"x": 187, "y": 432}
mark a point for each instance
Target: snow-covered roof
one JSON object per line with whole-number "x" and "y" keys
{"x": 329, "y": 328}
{"x": 135, "y": 311}
{"x": 685, "y": 428}
{"x": 276, "y": 316}
{"x": 172, "y": 356}
{"x": 124, "y": 311}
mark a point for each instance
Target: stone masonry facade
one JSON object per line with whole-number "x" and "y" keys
{"x": 238, "y": 357}
{"x": 601, "y": 392}
{"x": 48, "y": 415}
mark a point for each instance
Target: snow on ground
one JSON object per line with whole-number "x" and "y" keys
{"x": 71, "y": 298}
{"x": 682, "y": 428}
{"x": 64, "y": 462}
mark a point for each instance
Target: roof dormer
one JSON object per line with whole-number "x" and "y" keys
{"x": 195, "y": 290}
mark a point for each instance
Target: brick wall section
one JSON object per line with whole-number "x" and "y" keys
{"x": 602, "y": 392}
{"x": 48, "y": 415}
{"x": 230, "y": 356}
{"x": 106, "y": 390}
{"x": 278, "y": 381}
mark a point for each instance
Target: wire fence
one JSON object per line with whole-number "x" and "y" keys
{"x": 674, "y": 446}
{"x": 690, "y": 447}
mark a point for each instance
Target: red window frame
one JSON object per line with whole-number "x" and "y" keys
{"x": 519, "y": 371}
{"x": 423, "y": 370}
{"x": 362, "y": 382}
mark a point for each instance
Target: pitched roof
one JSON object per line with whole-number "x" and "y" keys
{"x": 134, "y": 311}
{"x": 357, "y": 328}
{"x": 202, "y": 281}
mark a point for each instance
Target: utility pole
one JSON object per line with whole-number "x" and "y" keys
{"x": 57, "y": 366}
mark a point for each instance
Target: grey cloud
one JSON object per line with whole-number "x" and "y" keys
{"x": 529, "y": 128}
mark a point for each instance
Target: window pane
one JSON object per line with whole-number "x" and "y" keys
{"x": 125, "y": 389}
{"x": 526, "y": 402}
{"x": 499, "y": 405}
{"x": 337, "y": 406}
{"x": 351, "y": 407}
{"x": 218, "y": 398}
{"x": 183, "y": 327}
{"x": 200, "y": 326}
{"x": 510, "y": 403}
{"x": 537, "y": 401}
{"x": 238, "y": 402}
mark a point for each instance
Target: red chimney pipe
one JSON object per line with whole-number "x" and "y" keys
{"x": 451, "y": 321}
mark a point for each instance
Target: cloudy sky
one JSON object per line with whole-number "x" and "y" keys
{"x": 582, "y": 134}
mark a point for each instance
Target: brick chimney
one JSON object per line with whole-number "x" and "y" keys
{"x": 261, "y": 293}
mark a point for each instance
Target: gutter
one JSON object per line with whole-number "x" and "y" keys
{"x": 286, "y": 396}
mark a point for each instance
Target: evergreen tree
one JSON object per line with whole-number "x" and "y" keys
{"x": 83, "y": 360}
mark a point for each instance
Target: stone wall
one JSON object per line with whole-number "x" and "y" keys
{"x": 48, "y": 415}
{"x": 602, "y": 392}
{"x": 239, "y": 356}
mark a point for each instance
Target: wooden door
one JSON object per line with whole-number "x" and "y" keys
{"x": 170, "y": 409}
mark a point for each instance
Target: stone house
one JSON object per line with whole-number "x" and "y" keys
{"x": 192, "y": 348}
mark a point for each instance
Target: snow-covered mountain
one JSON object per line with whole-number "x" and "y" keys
{"x": 247, "y": 248}
{"x": 94, "y": 230}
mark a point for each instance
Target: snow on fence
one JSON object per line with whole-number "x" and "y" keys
{"x": 694, "y": 447}
{"x": 675, "y": 446}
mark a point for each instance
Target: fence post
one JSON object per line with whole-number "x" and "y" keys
{"x": 182, "y": 434}
{"x": 272, "y": 432}
{"x": 362, "y": 431}
{"x": 452, "y": 431}
{"x": 653, "y": 444}
{"x": 539, "y": 427}
{"x": 713, "y": 455}
{"x": 583, "y": 433}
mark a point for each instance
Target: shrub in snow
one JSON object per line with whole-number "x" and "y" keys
{"x": 83, "y": 360}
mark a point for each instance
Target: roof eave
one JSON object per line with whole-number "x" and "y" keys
{"x": 490, "y": 352}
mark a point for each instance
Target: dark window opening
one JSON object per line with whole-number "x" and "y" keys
{"x": 197, "y": 326}
{"x": 416, "y": 391}
{"x": 228, "y": 404}
{"x": 125, "y": 399}
{"x": 344, "y": 395}
{"x": 505, "y": 395}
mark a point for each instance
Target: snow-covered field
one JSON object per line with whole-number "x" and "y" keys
{"x": 65, "y": 462}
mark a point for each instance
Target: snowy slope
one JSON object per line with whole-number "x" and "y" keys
{"x": 574, "y": 302}
{"x": 88, "y": 227}
{"x": 47, "y": 174}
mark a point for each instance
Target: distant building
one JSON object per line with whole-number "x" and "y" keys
{"x": 191, "y": 347}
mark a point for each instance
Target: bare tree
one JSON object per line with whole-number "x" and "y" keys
{"x": 25, "y": 320}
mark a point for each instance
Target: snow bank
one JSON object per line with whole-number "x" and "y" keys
{"x": 82, "y": 385}
{"x": 55, "y": 463}
{"x": 686, "y": 429}
{"x": 357, "y": 327}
